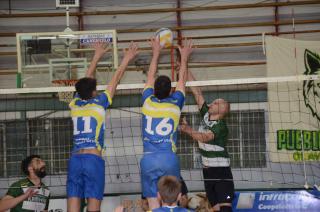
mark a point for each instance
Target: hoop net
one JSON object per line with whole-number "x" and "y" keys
{"x": 65, "y": 96}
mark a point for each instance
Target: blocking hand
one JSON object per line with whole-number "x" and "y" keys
{"x": 100, "y": 48}
{"x": 131, "y": 52}
{"x": 186, "y": 49}
{"x": 155, "y": 45}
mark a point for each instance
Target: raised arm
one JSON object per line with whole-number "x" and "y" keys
{"x": 129, "y": 54}
{"x": 185, "y": 52}
{"x": 203, "y": 137}
{"x": 100, "y": 49}
{"x": 156, "y": 48}
{"x": 196, "y": 91}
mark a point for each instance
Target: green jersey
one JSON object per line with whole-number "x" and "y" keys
{"x": 38, "y": 202}
{"x": 214, "y": 153}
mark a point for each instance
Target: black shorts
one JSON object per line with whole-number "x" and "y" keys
{"x": 184, "y": 188}
{"x": 218, "y": 183}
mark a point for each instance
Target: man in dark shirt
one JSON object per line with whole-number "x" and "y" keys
{"x": 28, "y": 194}
{"x": 212, "y": 138}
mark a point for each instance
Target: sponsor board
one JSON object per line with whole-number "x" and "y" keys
{"x": 93, "y": 38}
{"x": 249, "y": 201}
{"x": 277, "y": 201}
{"x": 294, "y": 109}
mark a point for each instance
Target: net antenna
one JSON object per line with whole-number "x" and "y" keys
{"x": 67, "y": 4}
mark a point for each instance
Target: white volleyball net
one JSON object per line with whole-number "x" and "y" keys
{"x": 34, "y": 121}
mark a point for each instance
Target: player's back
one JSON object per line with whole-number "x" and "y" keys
{"x": 88, "y": 118}
{"x": 160, "y": 120}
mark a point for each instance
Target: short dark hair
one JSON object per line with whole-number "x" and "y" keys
{"x": 169, "y": 188}
{"x": 85, "y": 86}
{"x": 162, "y": 87}
{"x": 26, "y": 162}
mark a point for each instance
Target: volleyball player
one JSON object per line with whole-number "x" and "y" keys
{"x": 212, "y": 138}
{"x": 161, "y": 113}
{"x": 86, "y": 168}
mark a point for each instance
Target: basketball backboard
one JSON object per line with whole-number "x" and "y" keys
{"x": 45, "y": 57}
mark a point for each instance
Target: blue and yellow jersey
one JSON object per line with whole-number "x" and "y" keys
{"x": 88, "y": 118}
{"x": 160, "y": 119}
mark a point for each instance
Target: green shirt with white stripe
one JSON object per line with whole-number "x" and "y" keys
{"x": 214, "y": 153}
{"x": 38, "y": 202}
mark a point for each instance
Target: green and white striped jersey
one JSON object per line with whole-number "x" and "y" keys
{"x": 214, "y": 153}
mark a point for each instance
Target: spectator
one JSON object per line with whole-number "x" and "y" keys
{"x": 28, "y": 194}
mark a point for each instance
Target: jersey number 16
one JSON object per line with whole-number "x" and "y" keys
{"x": 163, "y": 128}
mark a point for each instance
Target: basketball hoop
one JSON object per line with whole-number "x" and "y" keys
{"x": 65, "y": 96}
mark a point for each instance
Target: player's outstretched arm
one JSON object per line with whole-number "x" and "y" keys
{"x": 185, "y": 52}
{"x": 156, "y": 49}
{"x": 196, "y": 91}
{"x": 196, "y": 135}
{"x": 129, "y": 54}
{"x": 8, "y": 202}
{"x": 100, "y": 48}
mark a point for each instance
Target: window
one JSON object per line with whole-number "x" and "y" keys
{"x": 13, "y": 147}
{"x": 52, "y": 140}
{"x": 49, "y": 138}
{"x": 187, "y": 148}
{"x": 246, "y": 144}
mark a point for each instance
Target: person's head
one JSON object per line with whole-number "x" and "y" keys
{"x": 169, "y": 190}
{"x": 162, "y": 87}
{"x": 33, "y": 165}
{"x": 219, "y": 107}
{"x": 86, "y": 88}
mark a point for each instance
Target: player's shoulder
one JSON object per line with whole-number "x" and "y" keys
{"x": 96, "y": 101}
{"x": 170, "y": 99}
{"x": 221, "y": 122}
{"x": 179, "y": 92}
{"x": 147, "y": 91}
{"x": 148, "y": 88}
{"x": 21, "y": 183}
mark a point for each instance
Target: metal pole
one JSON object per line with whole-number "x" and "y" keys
{"x": 4, "y": 145}
{"x": 276, "y": 19}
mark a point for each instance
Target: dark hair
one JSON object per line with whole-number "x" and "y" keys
{"x": 169, "y": 188}
{"x": 85, "y": 86}
{"x": 162, "y": 87}
{"x": 26, "y": 162}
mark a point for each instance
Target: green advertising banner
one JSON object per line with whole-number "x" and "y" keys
{"x": 293, "y": 105}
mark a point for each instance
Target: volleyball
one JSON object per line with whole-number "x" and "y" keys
{"x": 165, "y": 36}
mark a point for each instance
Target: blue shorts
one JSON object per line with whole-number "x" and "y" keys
{"x": 153, "y": 167}
{"x": 86, "y": 176}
